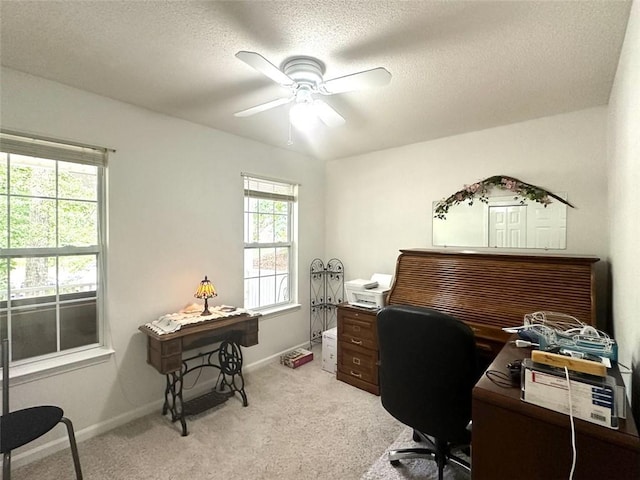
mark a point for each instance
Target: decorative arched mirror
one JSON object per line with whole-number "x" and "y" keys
{"x": 501, "y": 212}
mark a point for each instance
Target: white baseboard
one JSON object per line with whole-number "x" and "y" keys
{"x": 61, "y": 443}
{"x": 275, "y": 357}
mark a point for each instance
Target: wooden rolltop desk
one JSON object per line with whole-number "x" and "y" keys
{"x": 489, "y": 291}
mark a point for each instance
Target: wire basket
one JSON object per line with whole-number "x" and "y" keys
{"x": 554, "y": 329}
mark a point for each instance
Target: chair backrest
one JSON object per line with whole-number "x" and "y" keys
{"x": 4, "y": 349}
{"x": 427, "y": 370}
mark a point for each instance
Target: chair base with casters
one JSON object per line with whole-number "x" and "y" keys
{"x": 441, "y": 452}
{"x": 21, "y": 427}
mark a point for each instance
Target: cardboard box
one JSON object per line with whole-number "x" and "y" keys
{"x": 295, "y": 358}
{"x": 329, "y": 350}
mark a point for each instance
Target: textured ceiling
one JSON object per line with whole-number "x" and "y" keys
{"x": 457, "y": 66}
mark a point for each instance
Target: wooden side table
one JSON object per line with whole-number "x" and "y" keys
{"x": 166, "y": 353}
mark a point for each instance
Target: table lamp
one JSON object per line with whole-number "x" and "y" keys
{"x": 205, "y": 290}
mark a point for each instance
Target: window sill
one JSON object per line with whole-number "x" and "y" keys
{"x": 279, "y": 310}
{"x": 46, "y": 368}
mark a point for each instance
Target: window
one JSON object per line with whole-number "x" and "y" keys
{"x": 51, "y": 247}
{"x": 268, "y": 242}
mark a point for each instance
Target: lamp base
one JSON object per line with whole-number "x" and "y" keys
{"x": 206, "y": 309}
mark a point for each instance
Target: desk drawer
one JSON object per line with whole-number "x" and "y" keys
{"x": 171, "y": 347}
{"x": 165, "y": 356}
{"x": 249, "y": 336}
{"x": 358, "y": 362}
{"x": 164, "y": 364}
{"x": 358, "y": 330}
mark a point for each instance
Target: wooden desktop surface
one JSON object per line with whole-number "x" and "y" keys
{"x": 513, "y": 439}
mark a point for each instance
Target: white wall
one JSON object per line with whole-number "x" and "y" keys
{"x": 175, "y": 214}
{"x": 381, "y": 202}
{"x": 624, "y": 179}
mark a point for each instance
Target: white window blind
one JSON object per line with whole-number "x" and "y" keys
{"x": 12, "y": 142}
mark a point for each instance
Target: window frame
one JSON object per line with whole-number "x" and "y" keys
{"x": 291, "y": 197}
{"x": 16, "y": 143}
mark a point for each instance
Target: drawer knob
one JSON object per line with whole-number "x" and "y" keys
{"x": 357, "y": 342}
{"x": 356, "y": 328}
{"x": 356, "y": 360}
{"x": 356, "y": 374}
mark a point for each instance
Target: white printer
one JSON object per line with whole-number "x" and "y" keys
{"x": 369, "y": 293}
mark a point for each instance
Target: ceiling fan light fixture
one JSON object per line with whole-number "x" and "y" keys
{"x": 304, "y": 77}
{"x": 304, "y": 70}
{"x": 303, "y": 116}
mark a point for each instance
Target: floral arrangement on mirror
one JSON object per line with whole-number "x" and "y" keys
{"x": 523, "y": 191}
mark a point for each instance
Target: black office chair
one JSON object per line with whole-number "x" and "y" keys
{"x": 23, "y": 426}
{"x": 427, "y": 373}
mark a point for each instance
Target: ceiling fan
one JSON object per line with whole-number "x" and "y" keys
{"x": 303, "y": 76}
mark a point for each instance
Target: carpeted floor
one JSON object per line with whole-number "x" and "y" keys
{"x": 300, "y": 424}
{"x": 411, "y": 469}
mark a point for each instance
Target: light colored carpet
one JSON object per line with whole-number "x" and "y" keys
{"x": 413, "y": 468}
{"x": 300, "y": 424}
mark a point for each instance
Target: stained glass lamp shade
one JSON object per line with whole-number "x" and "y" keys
{"x": 205, "y": 290}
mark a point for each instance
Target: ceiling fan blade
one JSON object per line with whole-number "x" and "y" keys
{"x": 261, "y": 108}
{"x": 376, "y": 77}
{"x": 327, "y": 114}
{"x": 265, "y": 67}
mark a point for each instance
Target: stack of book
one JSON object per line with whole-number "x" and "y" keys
{"x": 590, "y": 391}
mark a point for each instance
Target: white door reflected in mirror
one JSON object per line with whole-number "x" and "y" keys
{"x": 508, "y": 226}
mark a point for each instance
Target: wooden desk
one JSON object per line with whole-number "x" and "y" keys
{"x": 166, "y": 354}
{"x": 513, "y": 439}
{"x": 489, "y": 291}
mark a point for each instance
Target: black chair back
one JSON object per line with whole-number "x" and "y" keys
{"x": 427, "y": 370}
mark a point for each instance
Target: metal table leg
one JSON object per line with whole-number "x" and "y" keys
{"x": 230, "y": 358}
